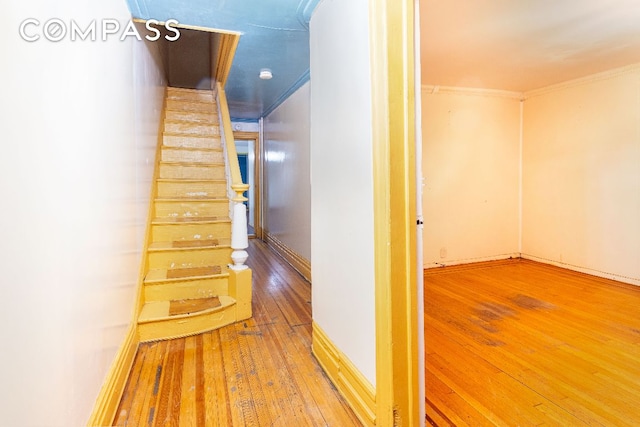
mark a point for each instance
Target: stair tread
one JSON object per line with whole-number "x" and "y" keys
{"x": 206, "y": 104}
{"x": 206, "y": 96}
{"x": 181, "y": 274}
{"x": 203, "y": 130}
{"x": 155, "y": 311}
{"x": 190, "y": 245}
{"x": 202, "y": 114}
{"x": 190, "y": 220}
{"x": 190, "y": 135}
{"x": 189, "y": 122}
{"x": 199, "y": 121}
{"x": 198, "y": 164}
{"x": 191, "y": 199}
{"x": 217, "y": 181}
{"x": 188, "y": 89}
{"x": 191, "y": 148}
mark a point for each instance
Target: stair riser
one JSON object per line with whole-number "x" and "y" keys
{"x": 189, "y": 259}
{"x": 168, "y": 171}
{"x": 192, "y": 116}
{"x": 178, "y": 95}
{"x": 192, "y": 189}
{"x": 191, "y": 209}
{"x": 169, "y": 233}
{"x": 175, "y": 328}
{"x": 203, "y": 288}
{"x": 200, "y": 107}
{"x": 183, "y": 141}
{"x": 191, "y": 129}
{"x": 191, "y": 156}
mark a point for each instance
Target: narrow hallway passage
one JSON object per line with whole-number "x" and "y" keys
{"x": 259, "y": 372}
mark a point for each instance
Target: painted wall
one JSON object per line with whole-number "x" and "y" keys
{"x": 246, "y": 126}
{"x": 471, "y": 151}
{"x": 79, "y": 126}
{"x": 581, "y": 176}
{"x": 342, "y": 253}
{"x": 287, "y": 186}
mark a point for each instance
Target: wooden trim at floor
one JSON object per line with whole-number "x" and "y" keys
{"x": 352, "y": 385}
{"x": 453, "y": 268}
{"x": 297, "y": 261}
{"x": 104, "y": 410}
{"x": 468, "y": 261}
{"x": 585, "y": 270}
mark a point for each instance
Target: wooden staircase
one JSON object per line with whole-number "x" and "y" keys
{"x": 186, "y": 286}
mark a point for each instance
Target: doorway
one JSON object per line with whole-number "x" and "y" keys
{"x": 249, "y": 159}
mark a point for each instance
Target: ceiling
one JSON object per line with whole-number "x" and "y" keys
{"x": 275, "y": 35}
{"x": 521, "y": 45}
{"x": 515, "y": 45}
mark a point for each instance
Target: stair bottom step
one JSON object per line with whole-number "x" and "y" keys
{"x": 158, "y": 311}
{"x": 156, "y": 322}
{"x": 188, "y": 306}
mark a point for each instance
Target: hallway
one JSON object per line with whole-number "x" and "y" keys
{"x": 259, "y": 372}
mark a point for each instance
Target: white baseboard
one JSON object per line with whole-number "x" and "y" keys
{"x": 592, "y": 272}
{"x": 436, "y": 264}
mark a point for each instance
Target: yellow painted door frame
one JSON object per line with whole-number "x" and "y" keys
{"x": 393, "y": 95}
{"x": 257, "y": 178}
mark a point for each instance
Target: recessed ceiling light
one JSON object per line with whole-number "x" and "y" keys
{"x": 265, "y": 74}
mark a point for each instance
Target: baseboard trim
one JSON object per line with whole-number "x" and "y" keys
{"x": 453, "y": 266}
{"x": 352, "y": 385}
{"x": 104, "y": 410}
{"x": 592, "y": 272}
{"x": 434, "y": 264}
{"x": 297, "y": 261}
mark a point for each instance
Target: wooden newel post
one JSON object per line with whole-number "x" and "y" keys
{"x": 239, "y": 235}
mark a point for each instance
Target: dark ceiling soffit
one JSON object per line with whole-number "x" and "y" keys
{"x": 199, "y": 57}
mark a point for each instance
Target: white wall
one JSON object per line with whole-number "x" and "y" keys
{"x": 287, "y": 187}
{"x": 581, "y": 182}
{"x": 74, "y": 179}
{"x": 246, "y": 126}
{"x": 471, "y": 151}
{"x": 342, "y": 251}
{"x": 580, "y": 186}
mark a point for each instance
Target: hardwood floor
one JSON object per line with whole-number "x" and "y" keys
{"x": 256, "y": 373}
{"x": 522, "y": 343}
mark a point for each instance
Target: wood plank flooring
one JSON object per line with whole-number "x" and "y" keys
{"x": 256, "y": 373}
{"x": 518, "y": 343}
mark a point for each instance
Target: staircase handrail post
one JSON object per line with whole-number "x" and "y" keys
{"x": 239, "y": 234}
{"x": 236, "y": 188}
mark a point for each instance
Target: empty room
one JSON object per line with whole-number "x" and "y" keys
{"x": 531, "y": 200}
